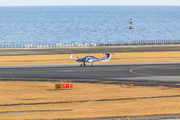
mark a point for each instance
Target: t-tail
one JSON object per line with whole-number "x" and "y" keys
{"x": 106, "y": 58}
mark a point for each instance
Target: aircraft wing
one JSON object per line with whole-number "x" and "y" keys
{"x": 71, "y": 57}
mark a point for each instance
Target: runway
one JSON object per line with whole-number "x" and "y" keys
{"x": 163, "y": 72}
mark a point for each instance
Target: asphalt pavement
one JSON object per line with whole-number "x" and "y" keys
{"x": 167, "y": 73}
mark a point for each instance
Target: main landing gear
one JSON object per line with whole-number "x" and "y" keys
{"x": 83, "y": 64}
{"x": 92, "y": 64}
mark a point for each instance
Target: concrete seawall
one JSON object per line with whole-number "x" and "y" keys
{"x": 80, "y": 50}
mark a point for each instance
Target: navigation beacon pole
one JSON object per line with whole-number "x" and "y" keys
{"x": 131, "y": 27}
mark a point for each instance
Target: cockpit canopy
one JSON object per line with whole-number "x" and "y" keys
{"x": 89, "y": 57}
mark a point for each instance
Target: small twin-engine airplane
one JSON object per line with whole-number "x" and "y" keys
{"x": 91, "y": 59}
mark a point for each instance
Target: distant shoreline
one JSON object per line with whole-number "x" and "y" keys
{"x": 81, "y": 50}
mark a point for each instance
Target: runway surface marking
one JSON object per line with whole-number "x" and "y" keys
{"x": 138, "y": 68}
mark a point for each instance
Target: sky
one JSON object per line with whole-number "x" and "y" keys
{"x": 86, "y": 2}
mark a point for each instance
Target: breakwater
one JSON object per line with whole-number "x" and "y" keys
{"x": 57, "y": 45}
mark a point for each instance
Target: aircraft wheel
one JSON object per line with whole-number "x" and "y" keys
{"x": 81, "y": 65}
{"x": 84, "y": 64}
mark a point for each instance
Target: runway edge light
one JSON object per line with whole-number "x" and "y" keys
{"x": 64, "y": 86}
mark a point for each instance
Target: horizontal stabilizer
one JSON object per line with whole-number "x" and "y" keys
{"x": 71, "y": 57}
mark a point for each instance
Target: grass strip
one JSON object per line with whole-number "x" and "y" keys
{"x": 116, "y": 58}
{"x": 85, "y": 100}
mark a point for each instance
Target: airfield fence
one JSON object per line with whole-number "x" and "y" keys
{"x": 57, "y": 45}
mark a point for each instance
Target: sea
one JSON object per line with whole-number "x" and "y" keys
{"x": 86, "y": 24}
